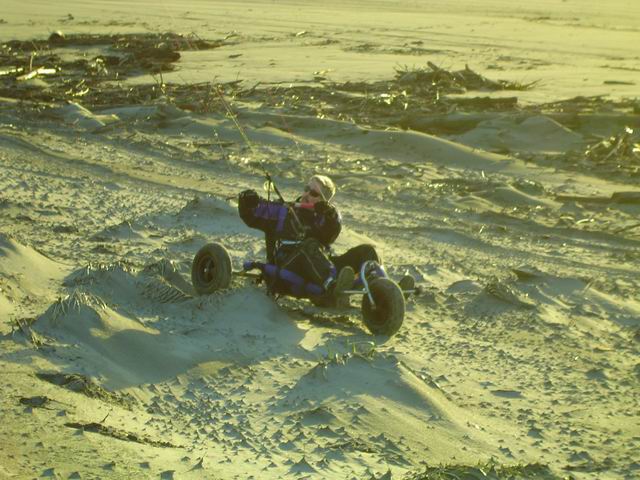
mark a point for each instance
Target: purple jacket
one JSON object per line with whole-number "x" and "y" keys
{"x": 272, "y": 217}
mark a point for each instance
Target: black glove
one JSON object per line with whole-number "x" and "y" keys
{"x": 248, "y": 199}
{"x": 325, "y": 209}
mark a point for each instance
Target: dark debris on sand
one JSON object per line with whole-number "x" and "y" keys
{"x": 411, "y": 93}
{"x": 617, "y": 155}
{"x": 81, "y": 384}
{"x": 67, "y": 74}
{"x": 70, "y": 75}
{"x": 118, "y": 434}
{"x": 122, "y": 53}
{"x": 622, "y": 147}
{"x": 488, "y": 471}
{"x": 428, "y": 99}
{"x": 39, "y": 401}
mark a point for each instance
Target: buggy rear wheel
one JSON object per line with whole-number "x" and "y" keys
{"x": 211, "y": 269}
{"x": 387, "y": 316}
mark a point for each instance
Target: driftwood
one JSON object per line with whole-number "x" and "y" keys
{"x": 92, "y": 78}
{"x": 617, "y": 197}
{"x": 81, "y": 384}
{"x": 623, "y": 147}
{"x": 118, "y": 434}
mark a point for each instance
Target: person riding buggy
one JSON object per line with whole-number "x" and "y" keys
{"x": 300, "y": 262}
{"x": 299, "y": 236}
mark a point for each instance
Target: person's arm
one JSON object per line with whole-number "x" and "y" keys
{"x": 327, "y": 223}
{"x": 256, "y": 212}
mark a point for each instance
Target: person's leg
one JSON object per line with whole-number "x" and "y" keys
{"x": 344, "y": 281}
{"x": 355, "y": 257}
{"x": 348, "y": 266}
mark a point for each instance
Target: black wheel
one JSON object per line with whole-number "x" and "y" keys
{"x": 211, "y": 269}
{"x": 387, "y": 316}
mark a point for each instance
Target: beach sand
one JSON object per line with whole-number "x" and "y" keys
{"x": 490, "y": 150}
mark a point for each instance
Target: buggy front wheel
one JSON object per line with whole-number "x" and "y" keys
{"x": 211, "y": 269}
{"x": 388, "y": 314}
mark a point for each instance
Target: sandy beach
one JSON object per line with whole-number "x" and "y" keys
{"x": 490, "y": 150}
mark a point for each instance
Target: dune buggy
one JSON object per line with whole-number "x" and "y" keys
{"x": 383, "y": 300}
